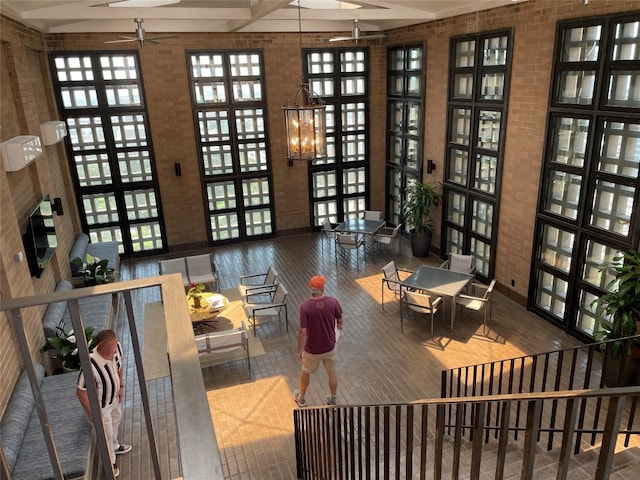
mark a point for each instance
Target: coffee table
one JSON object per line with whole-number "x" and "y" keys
{"x": 211, "y": 305}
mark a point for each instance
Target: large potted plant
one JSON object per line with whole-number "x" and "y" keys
{"x": 65, "y": 346}
{"x": 416, "y": 213}
{"x": 95, "y": 270}
{"x": 619, "y": 308}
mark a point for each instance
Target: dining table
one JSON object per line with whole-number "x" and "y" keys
{"x": 440, "y": 281}
{"x": 360, "y": 226}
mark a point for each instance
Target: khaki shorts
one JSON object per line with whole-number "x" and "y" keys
{"x": 310, "y": 362}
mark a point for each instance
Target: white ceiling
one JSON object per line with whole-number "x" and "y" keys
{"x": 85, "y": 16}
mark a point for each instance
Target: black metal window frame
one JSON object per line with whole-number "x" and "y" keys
{"x": 475, "y": 105}
{"x": 237, "y": 177}
{"x": 339, "y": 166}
{"x": 402, "y": 167}
{"x": 117, "y": 187}
{"x": 571, "y": 263}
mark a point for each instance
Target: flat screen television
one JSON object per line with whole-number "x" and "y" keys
{"x": 40, "y": 238}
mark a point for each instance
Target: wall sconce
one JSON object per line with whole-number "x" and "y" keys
{"x": 20, "y": 151}
{"x": 53, "y": 131}
{"x": 56, "y": 206}
{"x": 431, "y": 166}
{"x": 178, "y": 169}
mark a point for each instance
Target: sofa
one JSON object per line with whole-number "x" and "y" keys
{"x": 21, "y": 434}
{"x": 96, "y": 311}
{"x": 103, "y": 250}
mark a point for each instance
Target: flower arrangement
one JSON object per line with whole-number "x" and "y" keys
{"x": 195, "y": 293}
{"x": 66, "y": 346}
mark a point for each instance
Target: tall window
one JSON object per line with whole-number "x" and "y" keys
{"x": 339, "y": 184}
{"x": 405, "y": 125}
{"x": 101, "y": 98}
{"x": 228, "y": 94}
{"x": 476, "y": 124}
{"x": 588, "y": 205}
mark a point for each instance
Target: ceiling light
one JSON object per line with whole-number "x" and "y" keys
{"x": 325, "y": 4}
{"x": 143, "y": 3}
{"x": 305, "y": 122}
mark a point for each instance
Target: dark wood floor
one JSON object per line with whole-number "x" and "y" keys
{"x": 252, "y": 411}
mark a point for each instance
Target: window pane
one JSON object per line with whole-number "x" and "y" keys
{"x": 255, "y": 191}
{"x": 100, "y": 208}
{"x": 620, "y": 149}
{"x": 119, "y": 67}
{"x": 221, "y": 196}
{"x": 209, "y": 92}
{"x": 612, "y": 207}
{"x": 492, "y": 86}
{"x": 413, "y": 119}
{"x": 563, "y": 194}
{"x": 489, "y": 130}
{"x": 626, "y": 44}
{"x": 135, "y": 166}
{"x": 463, "y": 86}
{"x": 207, "y": 65}
{"x": 352, "y": 61}
{"x": 458, "y": 166}
{"x": 481, "y": 256}
{"x": 325, "y": 184}
{"x": 354, "y": 181}
{"x": 140, "y": 204}
{"x": 146, "y": 236}
{"x": 581, "y": 44}
{"x": 570, "y": 144}
{"x": 482, "y": 218}
{"x": 587, "y": 322}
{"x": 455, "y": 208}
{"x": 85, "y": 133}
{"x": 460, "y": 125}
{"x": 245, "y": 65}
{"x": 258, "y": 222}
{"x": 224, "y": 226}
{"x": 551, "y": 294}
{"x": 576, "y": 87}
{"x": 247, "y": 91}
{"x": 79, "y": 97}
{"x": 414, "y": 58}
{"x": 74, "y": 69}
{"x": 557, "y": 247}
{"x": 93, "y": 169}
{"x": 214, "y": 126}
{"x": 495, "y": 51}
{"x": 624, "y": 89}
{"x": 465, "y": 53}
{"x": 252, "y": 157}
{"x": 454, "y": 240}
{"x": 598, "y": 254}
{"x": 217, "y": 159}
{"x": 123, "y": 95}
{"x": 486, "y": 173}
{"x": 128, "y": 131}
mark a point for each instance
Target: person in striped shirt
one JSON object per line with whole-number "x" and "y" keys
{"x": 106, "y": 366}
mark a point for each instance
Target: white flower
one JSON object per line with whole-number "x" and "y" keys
{"x": 75, "y": 352}
{"x": 70, "y": 332}
{"x": 72, "y": 338}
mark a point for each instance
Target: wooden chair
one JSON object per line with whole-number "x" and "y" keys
{"x": 421, "y": 303}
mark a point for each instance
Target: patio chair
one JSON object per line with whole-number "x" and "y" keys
{"x": 212, "y": 344}
{"x": 328, "y": 231}
{"x": 421, "y": 303}
{"x": 460, "y": 263}
{"x": 259, "y": 312}
{"x": 477, "y": 303}
{"x": 392, "y": 279}
{"x": 372, "y": 215}
{"x": 174, "y": 265}
{"x": 258, "y": 284}
{"x": 202, "y": 269}
{"x": 386, "y": 235}
{"x": 349, "y": 241}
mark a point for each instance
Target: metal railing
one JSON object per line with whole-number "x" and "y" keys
{"x": 190, "y": 402}
{"x": 582, "y": 367}
{"x": 410, "y": 440}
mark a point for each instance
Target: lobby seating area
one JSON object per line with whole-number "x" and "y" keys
{"x": 252, "y": 409}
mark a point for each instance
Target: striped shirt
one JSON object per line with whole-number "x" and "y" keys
{"x": 105, "y": 374}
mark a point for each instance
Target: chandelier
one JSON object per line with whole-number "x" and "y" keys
{"x": 305, "y": 122}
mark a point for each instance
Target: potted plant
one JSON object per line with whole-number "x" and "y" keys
{"x": 195, "y": 294}
{"x": 416, "y": 213}
{"x": 619, "y": 307}
{"x": 65, "y": 346}
{"x": 95, "y": 271}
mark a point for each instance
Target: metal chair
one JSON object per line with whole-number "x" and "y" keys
{"x": 476, "y": 303}
{"x": 256, "y": 312}
{"x": 175, "y": 265}
{"x": 251, "y": 285}
{"x": 372, "y": 215}
{"x": 202, "y": 269}
{"x": 392, "y": 279}
{"x": 349, "y": 241}
{"x": 386, "y": 235}
{"x": 460, "y": 263}
{"x": 421, "y": 303}
{"x": 328, "y": 232}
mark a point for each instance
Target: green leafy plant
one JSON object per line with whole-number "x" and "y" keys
{"x": 95, "y": 271}
{"x": 619, "y": 307}
{"x": 66, "y": 346}
{"x": 417, "y": 210}
{"x": 195, "y": 291}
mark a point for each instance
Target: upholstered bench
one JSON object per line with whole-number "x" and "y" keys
{"x": 21, "y": 435}
{"x": 103, "y": 250}
{"x": 96, "y": 311}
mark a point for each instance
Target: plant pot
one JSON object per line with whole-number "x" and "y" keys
{"x": 421, "y": 244}
{"x": 622, "y": 371}
{"x": 196, "y": 302}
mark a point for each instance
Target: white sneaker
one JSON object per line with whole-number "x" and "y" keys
{"x": 298, "y": 398}
{"x": 331, "y": 400}
{"x": 123, "y": 448}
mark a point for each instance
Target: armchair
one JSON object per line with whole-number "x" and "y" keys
{"x": 421, "y": 303}
{"x": 174, "y": 265}
{"x": 258, "y": 284}
{"x": 328, "y": 231}
{"x": 202, "y": 269}
{"x": 224, "y": 342}
{"x": 372, "y": 215}
{"x": 386, "y": 235}
{"x": 477, "y": 303}
{"x": 256, "y": 312}
{"x": 392, "y": 279}
{"x": 349, "y": 241}
{"x": 459, "y": 263}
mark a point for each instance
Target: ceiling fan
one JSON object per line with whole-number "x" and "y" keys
{"x": 140, "y": 36}
{"x": 355, "y": 35}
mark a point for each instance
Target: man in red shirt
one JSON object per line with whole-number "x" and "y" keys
{"x": 320, "y": 322}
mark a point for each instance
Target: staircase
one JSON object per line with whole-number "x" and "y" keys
{"x": 499, "y": 420}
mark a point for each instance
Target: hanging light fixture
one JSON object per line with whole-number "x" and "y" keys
{"x": 304, "y": 121}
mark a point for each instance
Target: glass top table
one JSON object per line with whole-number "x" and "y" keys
{"x": 439, "y": 281}
{"x": 360, "y": 225}
{"x": 211, "y": 304}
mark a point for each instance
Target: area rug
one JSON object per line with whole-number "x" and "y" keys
{"x": 154, "y": 353}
